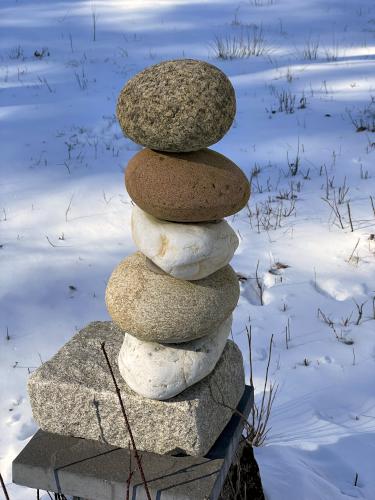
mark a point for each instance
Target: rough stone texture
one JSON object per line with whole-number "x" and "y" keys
{"x": 73, "y": 394}
{"x": 186, "y": 251}
{"x": 180, "y": 105}
{"x": 188, "y": 187}
{"x": 161, "y": 371}
{"x": 93, "y": 470}
{"x": 161, "y": 308}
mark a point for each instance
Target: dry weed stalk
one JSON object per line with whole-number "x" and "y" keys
{"x": 359, "y": 310}
{"x": 372, "y": 204}
{"x": 4, "y": 487}
{"x": 354, "y": 249}
{"x": 257, "y": 432}
{"x": 260, "y": 285}
{"x": 127, "y": 423}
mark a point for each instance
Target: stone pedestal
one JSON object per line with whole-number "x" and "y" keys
{"x": 97, "y": 471}
{"x": 73, "y": 394}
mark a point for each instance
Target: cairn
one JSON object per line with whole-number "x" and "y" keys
{"x": 172, "y": 301}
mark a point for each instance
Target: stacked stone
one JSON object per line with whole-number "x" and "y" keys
{"x": 172, "y": 301}
{"x": 174, "y": 298}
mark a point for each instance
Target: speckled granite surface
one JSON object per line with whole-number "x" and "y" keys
{"x": 179, "y": 105}
{"x": 162, "y": 308}
{"x": 73, "y": 394}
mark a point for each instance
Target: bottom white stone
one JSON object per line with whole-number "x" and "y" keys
{"x": 161, "y": 371}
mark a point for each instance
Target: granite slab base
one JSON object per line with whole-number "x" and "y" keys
{"x": 92, "y": 470}
{"x": 73, "y": 394}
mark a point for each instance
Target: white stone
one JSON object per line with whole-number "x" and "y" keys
{"x": 161, "y": 371}
{"x": 186, "y": 251}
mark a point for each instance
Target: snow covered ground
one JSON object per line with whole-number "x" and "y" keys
{"x": 64, "y": 212}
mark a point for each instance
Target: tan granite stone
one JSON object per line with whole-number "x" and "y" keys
{"x": 161, "y": 308}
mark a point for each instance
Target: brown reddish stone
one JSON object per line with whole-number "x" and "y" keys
{"x": 186, "y": 187}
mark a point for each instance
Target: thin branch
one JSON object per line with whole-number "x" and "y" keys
{"x": 68, "y": 208}
{"x": 248, "y": 333}
{"x": 354, "y": 249}
{"x": 350, "y": 216}
{"x": 3, "y": 487}
{"x": 360, "y": 311}
{"x": 137, "y": 457}
{"x": 265, "y": 382}
{"x": 335, "y": 210}
{"x": 259, "y": 285}
{"x": 50, "y": 242}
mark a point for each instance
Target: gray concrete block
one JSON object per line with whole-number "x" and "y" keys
{"x": 98, "y": 471}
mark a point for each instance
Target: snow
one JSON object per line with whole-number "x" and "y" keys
{"x": 62, "y": 161}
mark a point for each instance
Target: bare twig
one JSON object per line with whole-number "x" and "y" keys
{"x": 71, "y": 42}
{"x": 50, "y": 242}
{"x": 286, "y": 337}
{"x": 328, "y": 322}
{"x": 93, "y": 15}
{"x": 68, "y": 208}
{"x": 136, "y": 454}
{"x": 261, "y": 415}
{"x": 350, "y": 216}
{"x": 256, "y": 432}
{"x": 342, "y": 192}
{"x": 354, "y": 249}
{"x": 266, "y": 378}
{"x": 67, "y": 167}
{"x": 248, "y": 333}
{"x": 45, "y": 82}
{"x": 3, "y": 487}
{"x": 334, "y": 206}
{"x": 295, "y": 164}
{"x": 249, "y": 338}
{"x": 331, "y": 324}
{"x": 259, "y": 285}
{"x": 360, "y": 311}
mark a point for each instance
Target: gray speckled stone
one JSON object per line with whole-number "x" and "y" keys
{"x": 161, "y": 308}
{"x": 73, "y": 395}
{"x": 181, "y": 105}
